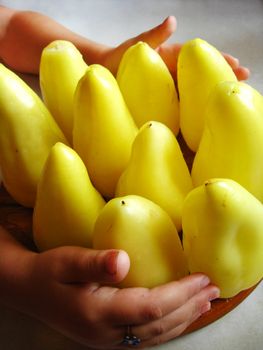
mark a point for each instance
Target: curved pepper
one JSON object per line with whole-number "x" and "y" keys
{"x": 148, "y": 87}
{"x": 146, "y": 232}
{"x": 61, "y": 67}
{"x": 232, "y": 141}
{"x": 200, "y": 68}
{"x": 27, "y": 133}
{"x": 104, "y": 129}
{"x": 67, "y": 204}
{"x": 223, "y": 235}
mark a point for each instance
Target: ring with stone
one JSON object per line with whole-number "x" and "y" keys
{"x": 130, "y": 339}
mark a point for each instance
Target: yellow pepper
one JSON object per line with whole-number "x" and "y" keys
{"x": 223, "y": 236}
{"x": 61, "y": 67}
{"x": 27, "y": 133}
{"x": 231, "y": 145}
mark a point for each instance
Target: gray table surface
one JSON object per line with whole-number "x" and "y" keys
{"x": 234, "y": 26}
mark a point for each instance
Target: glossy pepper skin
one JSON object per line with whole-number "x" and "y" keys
{"x": 104, "y": 129}
{"x": 61, "y": 67}
{"x": 146, "y": 232}
{"x": 148, "y": 87}
{"x": 157, "y": 170}
{"x": 232, "y": 142}
{"x": 223, "y": 235}
{"x": 67, "y": 204}
{"x": 200, "y": 68}
{"x": 27, "y": 133}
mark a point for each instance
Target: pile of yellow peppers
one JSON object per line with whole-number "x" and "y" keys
{"x": 99, "y": 161}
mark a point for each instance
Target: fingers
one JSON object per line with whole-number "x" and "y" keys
{"x": 79, "y": 265}
{"x": 242, "y": 73}
{"x": 158, "y": 315}
{"x": 174, "y": 323}
{"x": 149, "y": 305}
{"x": 180, "y": 292}
{"x": 154, "y": 37}
{"x": 169, "y": 54}
{"x": 157, "y": 35}
{"x": 231, "y": 60}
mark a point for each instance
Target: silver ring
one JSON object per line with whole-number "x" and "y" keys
{"x": 130, "y": 339}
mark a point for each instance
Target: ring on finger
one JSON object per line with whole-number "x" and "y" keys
{"x": 129, "y": 338}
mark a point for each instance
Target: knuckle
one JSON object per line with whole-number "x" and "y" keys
{"x": 152, "y": 312}
{"x": 197, "y": 305}
{"x": 157, "y": 329}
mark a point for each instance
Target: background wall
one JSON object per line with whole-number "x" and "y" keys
{"x": 234, "y": 26}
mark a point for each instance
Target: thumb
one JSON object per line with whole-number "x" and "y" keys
{"x": 153, "y": 37}
{"x": 157, "y": 35}
{"x": 80, "y": 265}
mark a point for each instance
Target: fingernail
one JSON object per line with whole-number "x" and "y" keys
{"x": 111, "y": 262}
{"x": 214, "y": 294}
{"x": 237, "y": 61}
{"x": 206, "y": 307}
{"x": 205, "y": 281}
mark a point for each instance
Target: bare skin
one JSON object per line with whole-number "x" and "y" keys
{"x": 66, "y": 287}
{"x": 22, "y": 54}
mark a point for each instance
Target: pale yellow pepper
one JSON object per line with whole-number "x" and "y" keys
{"x": 27, "y": 133}
{"x": 61, "y": 67}
{"x": 146, "y": 232}
{"x": 223, "y": 235}
{"x": 67, "y": 204}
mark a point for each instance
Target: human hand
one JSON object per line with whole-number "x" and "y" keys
{"x": 68, "y": 291}
{"x": 170, "y": 52}
{"x": 156, "y": 38}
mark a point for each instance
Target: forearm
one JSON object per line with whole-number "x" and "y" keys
{"x": 15, "y": 271}
{"x": 26, "y": 33}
